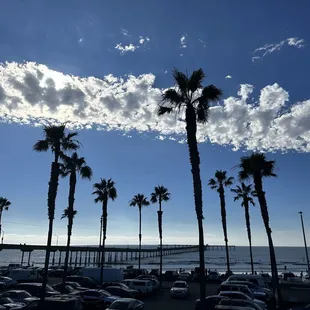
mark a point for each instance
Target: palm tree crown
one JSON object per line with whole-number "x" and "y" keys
{"x": 256, "y": 165}
{"x": 220, "y": 180}
{"x": 244, "y": 192}
{"x": 57, "y": 140}
{"x": 67, "y": 214}
{"x": 139, "y": 200}
{"x": 4, "y": 203}
{"x": 160, "y": 193}
{"x": 105, "y": 189}
{"x": 190, "y": 93}
{"x": 75, "y": 164}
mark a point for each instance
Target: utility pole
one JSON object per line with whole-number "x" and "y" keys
{"x": 305, "y": 241}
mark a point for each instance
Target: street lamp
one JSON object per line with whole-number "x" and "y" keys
{"x": 305, "y": 241}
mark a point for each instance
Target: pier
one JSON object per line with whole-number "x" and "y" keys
{"x": 89, "y": 255}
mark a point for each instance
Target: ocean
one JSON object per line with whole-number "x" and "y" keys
{"x": 293, "y": 258}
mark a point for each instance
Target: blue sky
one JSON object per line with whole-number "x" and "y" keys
{"x": 101, "y": 67}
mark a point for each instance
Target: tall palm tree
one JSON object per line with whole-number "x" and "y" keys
{"x": 72, "y": 166}
{"x": 159, "y": 195}
{"x": 246, "y": 194}
{"x": 219, "y": 182}
{"x": 4, "y": 205}
{"x": 58, "y": 141}
{"x": 104, "y": 190}
{"x": 189, "y": 94}
{"x": 257, "y": 167}
{"x": 140, "y": 201}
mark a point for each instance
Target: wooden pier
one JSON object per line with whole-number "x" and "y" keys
{"x": 88, "y": 255}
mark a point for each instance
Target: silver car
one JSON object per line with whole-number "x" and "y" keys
{"x": 179, "y": 289}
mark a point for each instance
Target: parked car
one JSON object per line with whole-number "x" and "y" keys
{"x": 126, "y": 304}
{"x": 227, "y": 286}
{"x": 143, "y": 286}
{"x": 123, "y": 292}
{"x": 241, "y": 303}
{"x": 109, "y": 274}
{"x": 179, "y": 289}
{"x": 17, "y": 296}
{"x": 132, "y": 273}
{"x": 156, "y": 285}
{"x": 154, "y": 272}
{"x": 35, "y": 289}
{"x": 210, "y": 302}
{"x": 61, "y": 302}
{"x": 8, "y": 303}
{"x": 99, "y": 295}
{"x": 22, "y": 275}
{"x": 242, "y": 296}
{"x": 213, "y": 276}
{"x": 76, "y": 286}
{"x": 286, "y": 275}
{"x": 185, "y": 276}
{"x": 83, "y": 281}
{"x": 65, "y": 289}
{"x": 7, "y": 282}
{"x": 258, "y": 280}
{"x": 171, "y": 275}
{"x": 119, "y": 284}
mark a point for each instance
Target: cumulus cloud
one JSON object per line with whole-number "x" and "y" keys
{"x": 183, "y": 40}
{"x": 35, "y": 95}
{"x": 126, "y": 48}
{"x": 270, "y": 48}
{"x": 228, "y": 77}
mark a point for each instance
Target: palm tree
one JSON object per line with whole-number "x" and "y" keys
{"x": 71, "y": 166}
{"x": 104, "y": 190}
{"x": 159, "y": 195}
{"x": 219, "y": 182}
{"x": 246, "y": 192}
{"x": 257, "y": 167}
{"x": 140, "y": 201}
{"x": 4, "y": 205}
{"x": 58, "y": 141}
{"x": 195, "y": 99}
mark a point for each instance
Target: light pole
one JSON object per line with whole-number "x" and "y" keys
{"x": 305, "y": 241}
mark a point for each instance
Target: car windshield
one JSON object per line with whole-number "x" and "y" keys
{"x": 179, "y": 284}
{"x": 24, "y": 294}
{"x": 119, "y": 305}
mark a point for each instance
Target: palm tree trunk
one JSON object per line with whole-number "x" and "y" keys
{"x": 70, "y": 219}
{"x": 52, "y": 193}
{"x": 160, "y": 228}
{"x": 265, "y": 215}
{"x": 100, "y": 241}
{"x": 248, "y": 227}
{"x": 191, "y": 129}
{"x": 1, "y": 221}
{"x": 104, "y": 230}
{"x": 140, "y": 236}
{"x": 224, "y": 223}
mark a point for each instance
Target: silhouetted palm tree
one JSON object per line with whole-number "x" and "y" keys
{"x": 258, "y": 167}
{"x": 219, "y": 183}
{"x": 245, "y": 193}
{"x": 159, "y": 195}
{"x": 4, "y": 205}
{"x": 58, "y": 141}
{"x": 71, "y": 166}
{"x": 104, "y": 190}
{"x": 140, "y": 201}
{"x": 189, "y": 94}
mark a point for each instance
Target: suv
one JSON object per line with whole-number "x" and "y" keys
{"x": 35, "y": 289}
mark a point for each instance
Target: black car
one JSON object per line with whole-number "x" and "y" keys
{"x": 127, "y": 304}
{"x": 65, "y": 289}
{"x": 83, "y": 281}
{"x": 63, "y": 302}
{"x": 210, "y": 302}
{"x": 171, "y": 275}
{"x": 122, "y": 292}
{"x": 118, "y": 284}
{"x": 35, "y": 289}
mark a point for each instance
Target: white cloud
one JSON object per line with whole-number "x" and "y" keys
{"x": 202, "y": 42}
{"x": 126, "y": 48}
{"x": 124, "y": 32}
{"x": 35, "y": 95}
{"x": 143, "y": 40}
{"x": 228, "y": 77}
{"x": 183, "y": 40}
{"x": 270, "y": 48}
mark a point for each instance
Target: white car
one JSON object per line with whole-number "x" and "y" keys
{"x": 242, "y": 296}
{"x": 7, "y": 282}
{"x": 179, "y": 289}
{"x": 240, "y": 303}
{"x": 18, "y": 296}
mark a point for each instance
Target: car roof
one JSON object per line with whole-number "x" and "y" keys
{"x": 29, "y": 284}
{"x": 233, "y": 284}
{"x": 126, "y": 300}
{"x": 15, "y": 291}
{"x": 180, "y": 281}
{"x": 232, "y": 292}
{"x": 253, "y": 276}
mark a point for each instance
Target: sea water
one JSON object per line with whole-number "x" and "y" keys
{"x": 288, "y": 258}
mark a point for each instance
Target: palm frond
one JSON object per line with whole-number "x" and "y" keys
{"x": 229, "y": 181}
{"x": 202, "y": 111}
{"x": 181, "y": 80}
{"x": 211, "y": 93}
{"x": 86, "y": 172}
{"x": 41, "y": 146}
{"x": 153, "y": 198}
{"x": 163, "y": 110}
{"x": 213, "y": 184}
{"x": 172, "y": 96}
{"x": 4, "y": 203}
{"x": 195, "y": 80}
